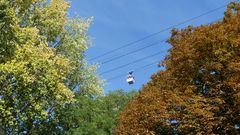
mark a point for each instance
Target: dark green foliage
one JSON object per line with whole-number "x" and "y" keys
{"x": 94, "y": 116}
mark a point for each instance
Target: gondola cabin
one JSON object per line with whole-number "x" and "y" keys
{"x": 130, "y": 78}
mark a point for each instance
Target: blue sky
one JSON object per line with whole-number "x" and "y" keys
{"x": 119, "y": 22}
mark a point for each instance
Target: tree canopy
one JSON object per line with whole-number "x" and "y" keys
{"x": 42, "y": 65}
{"x": 198, "y": 92}
{"x": 98, "y": 116}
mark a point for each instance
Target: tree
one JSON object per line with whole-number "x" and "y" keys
{"x": 42, "y": 65}
{"x": 32, "y": 84}
{"x": 72, "y": 43}
{"x": 112, "y": 105}
{"x": 96, "y": 116}
{"x": 9, "y": 27}
{"x": 198, "y": 92}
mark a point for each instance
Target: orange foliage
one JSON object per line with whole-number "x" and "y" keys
{"x": 200, "y": 88}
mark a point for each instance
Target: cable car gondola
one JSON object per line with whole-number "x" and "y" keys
{"x": 130, "y": 78}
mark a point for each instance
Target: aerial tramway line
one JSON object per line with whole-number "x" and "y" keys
{"x": 130, "y": 77}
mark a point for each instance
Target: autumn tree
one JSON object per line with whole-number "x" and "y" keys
{"x": 198, "y": 92}
{"x": 42, "y": 65}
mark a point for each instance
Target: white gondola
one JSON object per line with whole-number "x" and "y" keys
{"x": 130, "y": 78}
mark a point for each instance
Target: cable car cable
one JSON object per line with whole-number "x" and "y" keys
{"x": 118, "y": 57}
{"x": 137, "y": 50}
{"x": 140, "y": 59}
{"x": 156, "y": 62}
{"x": 156, "y": 33}
{"x": 130, "y": 63}
{"x": 135, "y": 70}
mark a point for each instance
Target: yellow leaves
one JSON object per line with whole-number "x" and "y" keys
{"x": 44, "y": 114}
{"x": 36, "y": 79}
{"x": 38, "y": 107}
{"x": 35, "y": 72}
{"x": 223, "y": 55}
{"x": 63, "y": 64}
{"x": 29, "y": 35}
{"x": 8, "y": 32}
{"x": 190, "y": 89}
{"x": 60, "y": 5}
{"x": 63, "y": 93}
{"x": 23, "y": 5}
{"x": 51, "y": 19}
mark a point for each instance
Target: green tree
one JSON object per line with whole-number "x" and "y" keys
{"x": 32, "y": 84}
{"x": 199, "y": 89}
{"x": 113, "y": 104}
{"x": 42, "y": 65}
{"x": 72, "y": 43}
{"x": 9, "y": 28}
{"x": 96, "y": 116}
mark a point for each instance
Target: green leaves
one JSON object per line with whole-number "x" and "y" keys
{"x": 95, "y": 116}
{"x": 74, "y": 41}
{"x": 8, "y": 33}
{"x": 31, "y": 78}
{"x": 51, "y": 19}
{"x": 37, "y": 81}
